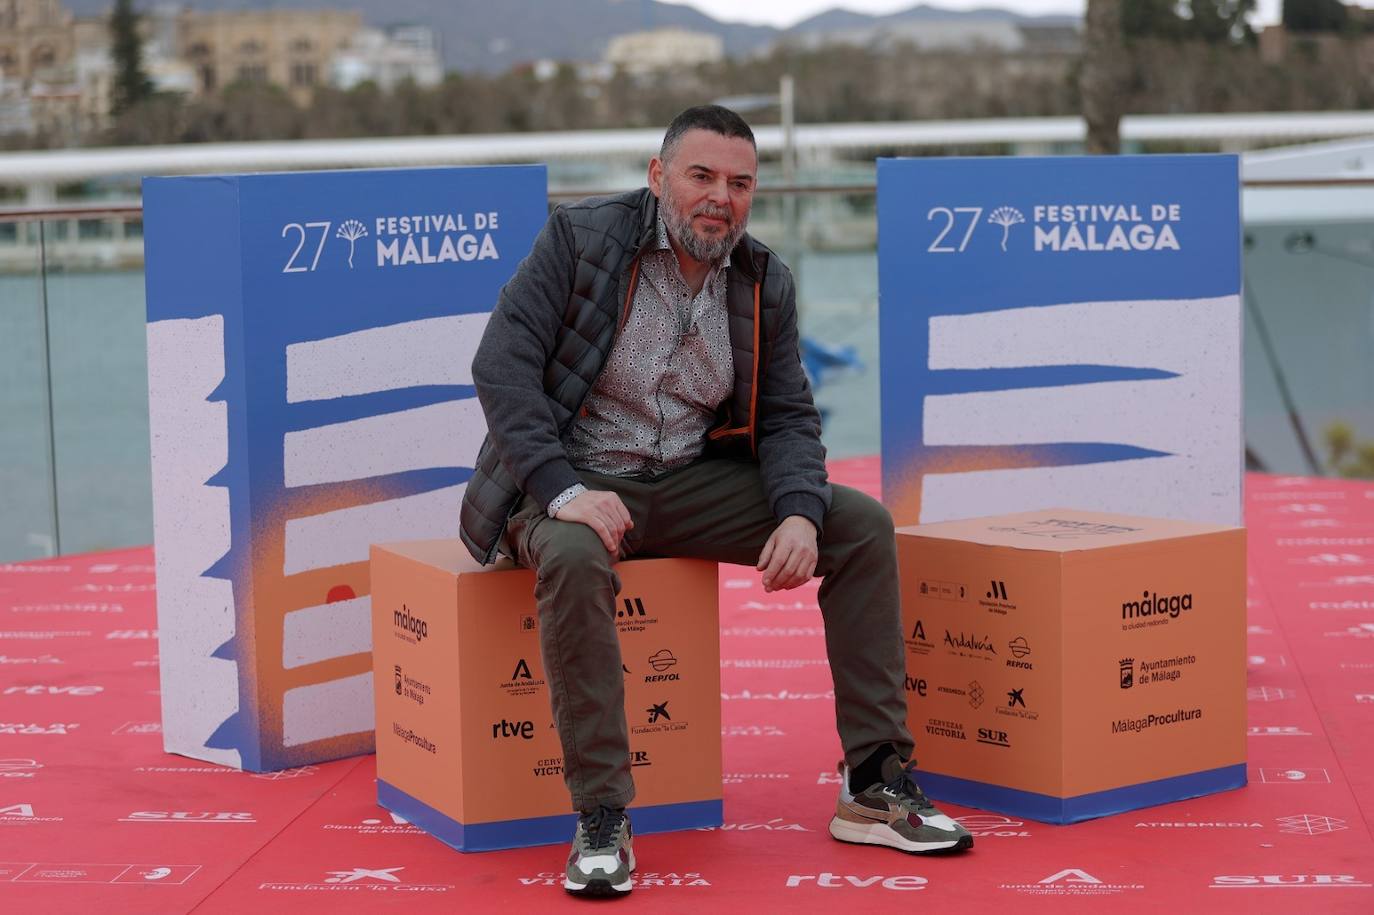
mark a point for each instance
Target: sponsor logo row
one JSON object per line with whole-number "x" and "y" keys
{"x": 1015, "y": 705}
{"x": 1149, "y": 609}
{"x": 1016, "y": 652}
{"x": 54, "y": 568}
{"x": 23, "y": 767}
{"x": 523, "y": 682}
{"x": 410, "y": 625}
{"x": 1018, "y": 649}
{"x": 984, "y": 825}
{"x": 657, "y": 718}
{"x": 33, "y": 728}
{"x": 1071, "y": 881}
{"x": 46, "y": 635}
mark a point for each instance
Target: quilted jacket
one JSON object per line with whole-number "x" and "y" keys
{"x": 553, "y": 327}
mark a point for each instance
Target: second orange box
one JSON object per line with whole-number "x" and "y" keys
{"x": 1064, "y": 665}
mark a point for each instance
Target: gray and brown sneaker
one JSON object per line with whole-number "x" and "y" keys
{"x": 896, "y": 814}
{"x": 602, "y": 857}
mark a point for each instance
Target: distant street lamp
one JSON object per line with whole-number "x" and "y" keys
{"x": 784, "y": 100}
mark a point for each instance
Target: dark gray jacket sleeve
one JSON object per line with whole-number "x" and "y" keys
{"x": 791, "y": 456}
{"x": 508, "y": 369}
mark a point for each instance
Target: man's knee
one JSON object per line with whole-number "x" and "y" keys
{"x": 856, "y": 516}
{"x": 570, "y": 549}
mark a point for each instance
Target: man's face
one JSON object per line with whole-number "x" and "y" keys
{"x": 705, "y": 191}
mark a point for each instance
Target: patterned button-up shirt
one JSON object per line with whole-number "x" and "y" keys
{"x": 669, "y": 370}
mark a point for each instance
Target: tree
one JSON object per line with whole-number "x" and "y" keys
{"x": 161, "y": 118}
{"x": 1100, "y": 83}
{"x": 1315, "y": 15}
{"x": 1151, "y": 19}
{"x": 1349, "y": 456}
{"x": 1211, "y": 21}
{"x": 1221, "y": 21}
{"x": 131, "y": 83}
{"x": 248, "y": 111}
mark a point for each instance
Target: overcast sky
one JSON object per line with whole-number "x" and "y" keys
{"x": 783, "y": 13}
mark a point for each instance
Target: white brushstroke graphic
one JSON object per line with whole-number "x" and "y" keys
{"x": 1195, "y": 417}
{"x": 190, "y": 443}
{"x": 344, "y": 536}
{"x": 327, "y": 631}
{"x": 410, "y": 354}
{"x": 330, "y": 709}
{"x": 439, "y": 435}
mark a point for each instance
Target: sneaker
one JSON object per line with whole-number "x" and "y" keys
{"x": 602, "y": 856}
{"x": 896, "y": 814}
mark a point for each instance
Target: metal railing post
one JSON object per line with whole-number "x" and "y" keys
{"x": 47, "y": 388}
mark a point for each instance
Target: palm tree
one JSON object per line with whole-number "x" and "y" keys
{"x": 1100, "y": 82}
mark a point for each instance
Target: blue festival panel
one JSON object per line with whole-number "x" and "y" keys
{"x": 1061, "y": 331}
{"x": 310, "y": 340}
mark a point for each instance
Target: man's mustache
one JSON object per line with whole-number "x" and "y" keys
{"x": 713, "y": 213}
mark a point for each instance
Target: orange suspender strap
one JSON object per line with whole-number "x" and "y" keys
{"x": 629, "y": 296}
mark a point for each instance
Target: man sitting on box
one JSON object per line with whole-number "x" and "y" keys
{"x": 642, "y": 384}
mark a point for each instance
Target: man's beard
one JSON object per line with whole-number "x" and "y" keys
{"x": 703, "y": 250}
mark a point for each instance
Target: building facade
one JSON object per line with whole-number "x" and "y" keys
{"x": 293, "y": 49}
{"x": 37, "y": 49}
{"x": 388, "y": 58}
{"x": 663, "y": 49}
{"x": 35, "y": 39}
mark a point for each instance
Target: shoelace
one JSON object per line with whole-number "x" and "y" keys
{"x": 602, "y": 826}
{"x": 904, "y": 787}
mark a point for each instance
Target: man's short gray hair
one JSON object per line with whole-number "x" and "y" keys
{"x": 705, "y": 117}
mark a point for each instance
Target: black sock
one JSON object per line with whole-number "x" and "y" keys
{"x": 870, "y": 771}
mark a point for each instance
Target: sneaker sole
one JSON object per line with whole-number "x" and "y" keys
{"x": 602, "y": 887}
{"x": 598, "y": 887}
{"x": 881, "y": 834}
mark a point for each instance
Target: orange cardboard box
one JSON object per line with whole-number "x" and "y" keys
{"x": 466, "y": 746}
{"x": 1064, "y": 665}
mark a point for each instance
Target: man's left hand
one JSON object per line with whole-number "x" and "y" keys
{"x": 789, "y": 557}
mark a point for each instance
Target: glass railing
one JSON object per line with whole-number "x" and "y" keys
{"x": 74, "y": 452}
{"x": 1309, "y": 327}
{"x": 74, "y": 455}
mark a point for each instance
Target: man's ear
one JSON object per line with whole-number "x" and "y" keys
{"x": 656, "y": 176}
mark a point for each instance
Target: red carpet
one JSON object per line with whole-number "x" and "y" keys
{"x": 94, "y": 816}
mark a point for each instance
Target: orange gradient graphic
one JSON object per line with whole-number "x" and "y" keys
{"x": 904, "y": 497}
{"x": 274, "y": 594}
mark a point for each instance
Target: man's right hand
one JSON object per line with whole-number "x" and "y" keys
{"x": 601, "y": 511}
